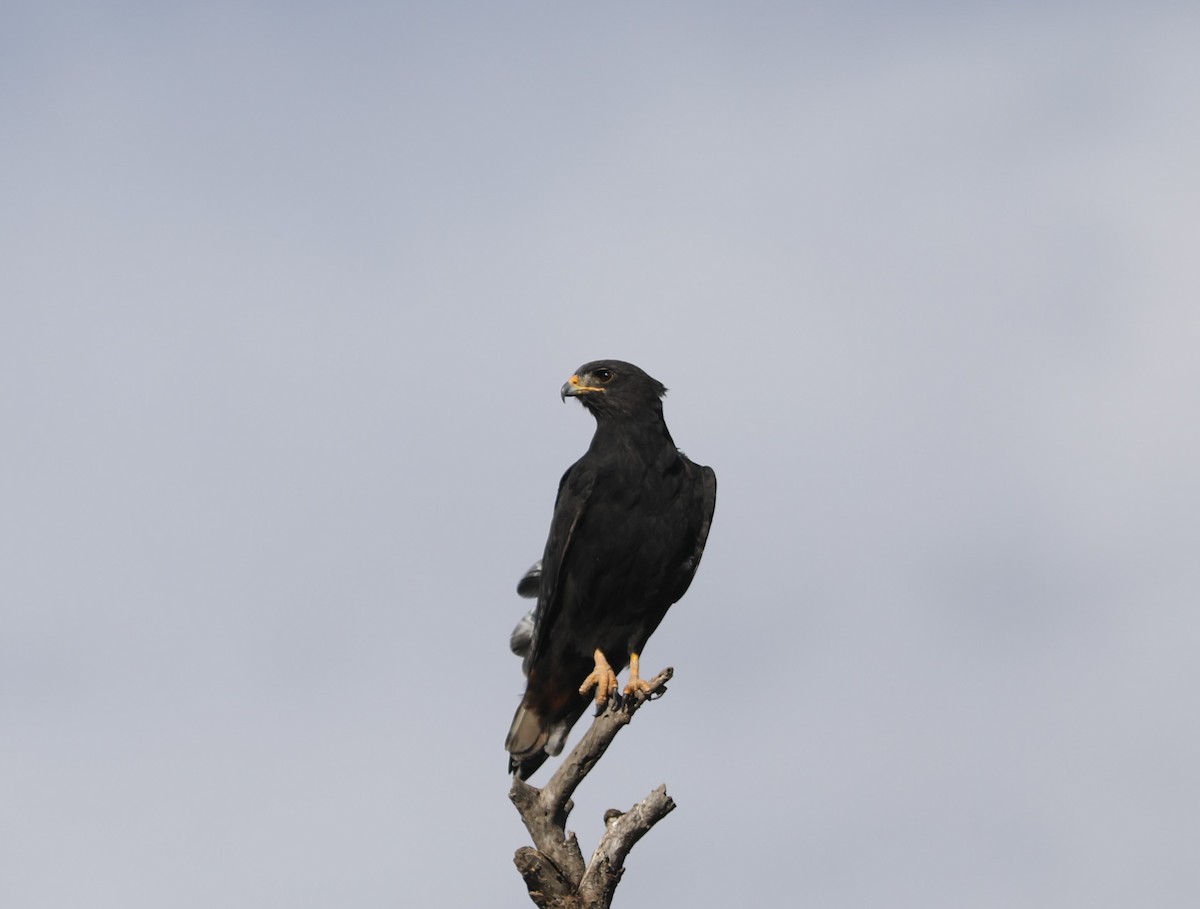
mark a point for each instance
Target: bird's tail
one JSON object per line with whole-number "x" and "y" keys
{"x": 533, "y": 738}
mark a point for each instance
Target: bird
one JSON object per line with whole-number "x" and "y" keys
{"x": 629, "y": 527}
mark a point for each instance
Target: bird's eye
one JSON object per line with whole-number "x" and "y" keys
{"x": 603, "y": 376}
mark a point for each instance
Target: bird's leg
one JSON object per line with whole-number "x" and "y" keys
{"x": 637, "y": 687}
{"x": 603, "y": 679}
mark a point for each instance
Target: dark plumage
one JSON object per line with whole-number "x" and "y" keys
{"x": 629, "y": 527}
{"x": 522, "y": 635}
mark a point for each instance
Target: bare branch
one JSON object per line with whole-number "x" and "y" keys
{"x": 595, "y": 742}
{"x": 608, "y": 861}
{"x": 547, "y": 887}
{"x": 554, "y": 872}
{"x": 547, "y": 827}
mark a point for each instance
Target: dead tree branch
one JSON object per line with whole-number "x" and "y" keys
{"x": 554, "y": 869}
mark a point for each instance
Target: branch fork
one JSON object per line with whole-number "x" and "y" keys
{"x": 553, "y": 868}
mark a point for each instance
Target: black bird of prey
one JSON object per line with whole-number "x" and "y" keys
{"x": 629, "y": 527}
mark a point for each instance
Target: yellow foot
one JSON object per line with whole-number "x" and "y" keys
{"x": 603, "y": 679}
{"x": 638, "y": 687}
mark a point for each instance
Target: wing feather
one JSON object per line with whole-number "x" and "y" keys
{"x": 574, "y": 490}
{"x": 707, "y": 488}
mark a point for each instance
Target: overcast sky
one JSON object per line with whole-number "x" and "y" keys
{"x": 286, "y": 296}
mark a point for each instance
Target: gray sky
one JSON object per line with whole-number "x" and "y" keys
{"x": 286, "y": 298}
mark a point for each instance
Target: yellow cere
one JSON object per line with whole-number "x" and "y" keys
{"x": 575, "y": 383}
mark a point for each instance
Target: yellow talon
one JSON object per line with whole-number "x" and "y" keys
{"x": 637, "y": 686}
{"x": 602, "y": 678}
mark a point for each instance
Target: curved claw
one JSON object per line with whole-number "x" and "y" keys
{"x": 638, "y": 688}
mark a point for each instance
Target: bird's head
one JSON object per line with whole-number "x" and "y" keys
{"x": 614, "y": 387}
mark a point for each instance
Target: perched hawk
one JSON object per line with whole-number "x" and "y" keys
{"x": 629, "y": 527}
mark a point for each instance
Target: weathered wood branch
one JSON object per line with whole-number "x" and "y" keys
{"x": 554, "y": 870}
{"x": 608, "y": 861}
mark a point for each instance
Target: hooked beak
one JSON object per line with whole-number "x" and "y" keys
{"x": 574, "y": 387}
